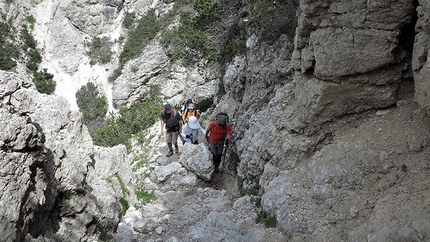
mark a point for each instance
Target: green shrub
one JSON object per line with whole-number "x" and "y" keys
{"x": 99, "y": 50}
{"x": 256, "y": 201}
{"x": 129, "y": 20}
{"x": 204, "y": 32}
{"x": 124, "y": 189}
{"x": 272, "y": 20}
{"x": 44, "y": 82}
{"x": 119, "y": 129}
{"x": 252, "y": 191}
{"x": 198, "y": 34}
{"x": 234, "y": 43}
{"x": 29, "y": 47}
{"x": 31, "y": 20}
{"x": 8, "y": 51}
{"x": 28, "y": 39}
{"x": 140, "y": 160}
{"x": 221, "y": 89}
{"x": 124, "y": 205}
{"x": 123, "y": 201}
{"x": 144, "y": 196}
{"x": 137, "y": 38}
{"x": 41, "y": 238}
{"x": 34, "y": 60}
{"x": 6, "y": 62}
{"x": 116, "y": 73}
{"x": 93, "y": 106}
{"x": 104, "y": 236}
{"x": 65, "y": 195}
{"x": 268, "y": 220}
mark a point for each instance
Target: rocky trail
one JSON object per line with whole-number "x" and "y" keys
{"x": 188, "y": 208}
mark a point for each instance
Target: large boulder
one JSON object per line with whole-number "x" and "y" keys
{"x": 197, "y": 159}
{"x": 47, "y": 155}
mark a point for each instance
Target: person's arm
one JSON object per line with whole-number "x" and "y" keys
{"x": 162, "y": 127}
{"x": 202, "y": 130}
{"x": 180, "y": 123}
{"x": 183, "y": 134}
{"x": 208, "y": 130}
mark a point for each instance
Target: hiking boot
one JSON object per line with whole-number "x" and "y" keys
{"x": 176, "y": 150}
{"x": 170, "y": 153}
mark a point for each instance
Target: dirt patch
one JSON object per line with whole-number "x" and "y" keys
{"x": 225, "y": 180}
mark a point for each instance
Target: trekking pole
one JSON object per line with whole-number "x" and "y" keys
{"x": 223, "y": 159}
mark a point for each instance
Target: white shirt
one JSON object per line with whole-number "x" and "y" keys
{"x": 186, "y": 130}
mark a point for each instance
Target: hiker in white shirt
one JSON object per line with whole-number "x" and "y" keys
{"x": 190, "y": 131}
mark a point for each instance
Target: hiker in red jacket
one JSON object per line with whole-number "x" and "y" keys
{"x": 218, "y": 133}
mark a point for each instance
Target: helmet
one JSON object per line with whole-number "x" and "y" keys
{"x": 193, "y": 123}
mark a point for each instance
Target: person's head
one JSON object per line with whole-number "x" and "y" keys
{"x": 191, "y": 106}
{"x": 168, "y": 108}
{"x": 193, "y": 123}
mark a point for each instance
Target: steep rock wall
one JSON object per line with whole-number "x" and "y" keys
{"x": 340, "y": 152}
{"x": 351, "y": 56}
{"x": 53, "y": 178}
{"x": 420, "y": 62}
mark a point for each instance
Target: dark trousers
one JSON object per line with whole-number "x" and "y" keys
{"x": 216, "y": 151}
{"x": 194, "y": 143}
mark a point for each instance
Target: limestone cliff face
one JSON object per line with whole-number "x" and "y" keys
{"x": 342, "y": 143}
{"x": 420, "y": 62}
{"x": 352, "y": 56}
{"x": 52, "y": 176}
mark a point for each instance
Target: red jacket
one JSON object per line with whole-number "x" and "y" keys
{"x": 217, "y": 133}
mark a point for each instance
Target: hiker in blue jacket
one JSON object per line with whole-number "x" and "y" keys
{"x": 190, "y": 131}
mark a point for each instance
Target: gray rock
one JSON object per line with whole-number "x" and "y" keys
{"x": 145, "y": 225}
{"x": 164, "y": 172}
{"x": 215, "y": 227}
{"x": 130, "y": 86}
{"x": 47, "y": 151}
{"x": 340, "y": 41}
{"x": 196, "y": 159}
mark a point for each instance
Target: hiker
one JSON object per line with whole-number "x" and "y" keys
{"x": 218, "y": 133}
{"x": 172, "y": 120}
{"x": 190, "y": 131}
{"x": 190, "y": 112}
{"x": 185, "y": 105}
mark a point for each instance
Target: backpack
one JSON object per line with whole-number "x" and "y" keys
{"x": 222, "y": 119}
{"x": 173, "y": 114}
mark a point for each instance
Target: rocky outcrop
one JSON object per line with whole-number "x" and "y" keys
{"x": 153, "y": 68}
{"x": 54, "y": 183}
{"x": 324, "y": 163}
{"x": 352, "y": 56}
{"x": 198, "y": 160}
{"x": 420, "y": 62}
